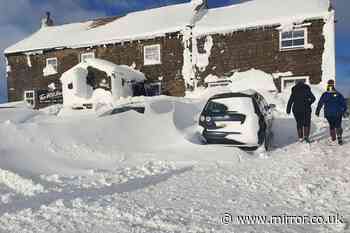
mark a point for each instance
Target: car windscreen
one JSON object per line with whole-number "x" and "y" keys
{"x": 222, "y": 106}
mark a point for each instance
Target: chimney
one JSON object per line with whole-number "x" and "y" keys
{"x": 205, "y": 4}
{"x": 47, "y": 21}
{"x": 200, "y": 4}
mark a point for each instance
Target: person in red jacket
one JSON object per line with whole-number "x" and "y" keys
{"x": 300, "y": 103}
{"x": 334, "y": 109}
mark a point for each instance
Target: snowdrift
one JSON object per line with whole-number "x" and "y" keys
{"x": 52, "y": 144}
{"x": 61, "y": 140}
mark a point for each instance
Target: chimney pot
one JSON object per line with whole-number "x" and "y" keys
{"x": 47, "y": 21}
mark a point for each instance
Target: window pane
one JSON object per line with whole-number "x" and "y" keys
{"x": 152, "y": 54}
{"x": 289, "y": 83}
{"x": 153, "y": 89}
{"x": 286, "y": 35}
{"x": 85, "y": 56}
{"x": 52, "y": 62}
{"x": 298, "y": 42}
{"x": 287, "y": 43}
{"x": 299, "y": 33}
{"x": 215, "y": 108}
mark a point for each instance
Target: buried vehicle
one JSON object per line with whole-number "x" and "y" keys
{"x": 243, "y": 119}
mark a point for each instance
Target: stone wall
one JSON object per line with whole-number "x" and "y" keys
{"x": 241, "y": 50}
{"x": 22, "y": 77}
{"x": 260, "y": 49}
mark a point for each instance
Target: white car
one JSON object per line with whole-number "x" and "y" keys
{"x": 243, "y": 119}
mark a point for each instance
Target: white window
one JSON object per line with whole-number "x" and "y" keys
{"x": 85, "y": 56}
{"x": 289, "y": 82}
{"x": 293, "y": 39}
{"x": 51, "y": 67}
{"x": 52, "y": 62}
{"x": 151, "y": 54}
{"x": 29, "y": 97}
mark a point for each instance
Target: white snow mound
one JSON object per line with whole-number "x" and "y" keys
{"x": 20, "y": 185}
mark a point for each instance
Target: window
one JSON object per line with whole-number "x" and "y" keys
{"x": 29, "y": 97}
{"x": 293, "y": 39}
{"x": 220, "y": 83}
{"x": 216, "y": 109}
{"x": 85, "y": 56}
{"x": 153, "y": 89}
{"x": 51, "y": 67}
{"x": 289, "y": 82}
{"x": 70, "y": 86}
{"x": 151, "y": 54}
{"x": 52, "y": 62}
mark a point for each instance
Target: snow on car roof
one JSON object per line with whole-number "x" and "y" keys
{"x": 245, "y": 93}
{"x": 260, "y": 13}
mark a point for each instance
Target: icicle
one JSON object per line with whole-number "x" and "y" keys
{"x": 29, "y": 62}
{"x": 8, "y": 67}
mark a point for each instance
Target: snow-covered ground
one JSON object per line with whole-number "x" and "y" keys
{"x": 64, "y": 171}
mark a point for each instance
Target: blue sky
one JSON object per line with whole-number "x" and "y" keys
{"x": 20, "y": 18}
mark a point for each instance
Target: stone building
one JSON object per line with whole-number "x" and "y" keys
{"x": 177, "y": 46}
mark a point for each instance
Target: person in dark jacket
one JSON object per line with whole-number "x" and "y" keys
{"x": 334, "y": 108}
{"x": 300, "y": 102}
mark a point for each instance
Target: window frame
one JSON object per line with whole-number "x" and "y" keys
{"x": 293, "y": 47}
{"x": 152, "y": 85}
{"x": 70, "y": 86}
{"x": 30, "y": 98}
{"x": 148, "y": 62}
{"x": 87, "y": 53}
{"x": 295, "y": 78}
{"x": 52, "y": 59}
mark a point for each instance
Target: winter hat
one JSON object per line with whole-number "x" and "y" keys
{"x": 331, "y": 82}
{"x": 330, "y": 85}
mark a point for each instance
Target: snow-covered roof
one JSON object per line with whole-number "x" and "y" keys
{"x": 260, "y": 13}
{"x": 110, "y": 68}
{"x": 133, "y": 26}
{"x": 173, "y": 18}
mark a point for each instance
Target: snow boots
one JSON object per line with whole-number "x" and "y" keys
{"x": 340, "y": 136}
{"x": 307, "y": 134}
{"x": 337, "y": 134}
{"x": 333, "y": 134}
{"x": 303, "y": 134}
{"x": 300, "y": 134}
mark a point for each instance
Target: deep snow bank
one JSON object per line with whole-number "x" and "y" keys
{"x": 76, "y": 142}
{"x": 239, "y": 81}
{"x": 19, "y": 184}
{"x": 71, "y": 144}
